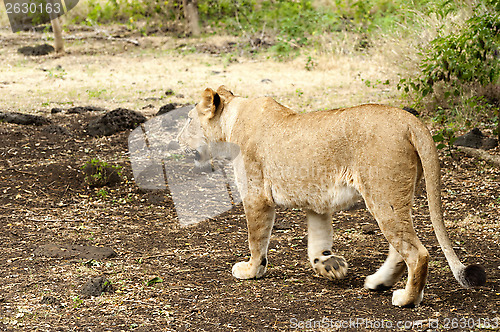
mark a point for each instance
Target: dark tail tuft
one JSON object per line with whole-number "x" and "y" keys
{"x": 473, "y": 276}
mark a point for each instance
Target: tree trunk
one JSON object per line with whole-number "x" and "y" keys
{"x": 192, "y": 17}
{"x": 56, "y": 27}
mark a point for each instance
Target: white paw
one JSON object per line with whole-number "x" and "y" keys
{"x": 331, "y": 267}
{"x": 246, "y": 270}
{"x": 376, "y": 282}
{"x": 400, "y": 298}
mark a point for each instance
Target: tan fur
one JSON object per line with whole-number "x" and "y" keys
{"x": 322, "y": 162}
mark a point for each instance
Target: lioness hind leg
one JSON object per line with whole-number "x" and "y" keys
{"x": 397, "y": 227}
{"x": 319, "y": 246}
{"x": 388, "y": 274}
{"x": 260, "y": 219}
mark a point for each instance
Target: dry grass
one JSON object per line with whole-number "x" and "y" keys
{"x": 119, "y": 74}
{"x": 133, "y": 77}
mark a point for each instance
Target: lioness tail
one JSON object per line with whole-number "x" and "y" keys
{"x": 470, "y": 276}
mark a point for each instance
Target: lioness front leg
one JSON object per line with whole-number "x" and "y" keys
{"x": 319, "y": 246}
{"x": 260, "y": 218}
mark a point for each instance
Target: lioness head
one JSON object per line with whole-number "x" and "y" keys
{"x": 209, "y": 111}
{"x": 204, "y": 124}
{"x": 204, "y": 119}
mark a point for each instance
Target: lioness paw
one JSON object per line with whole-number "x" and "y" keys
{"x": 330, "y": 266}
{"x": 247, "y": 270}
{"x": 376, "y": 282}
{"x": 401, "y": 298}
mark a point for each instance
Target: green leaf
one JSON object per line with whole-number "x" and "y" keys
{"x": 441, "y": 146}
{"x": 426, "y": 91}
{"x": 438, "y": 137}
{"x": 155, "y": 280}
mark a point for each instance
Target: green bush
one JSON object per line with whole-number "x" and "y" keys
{"x": 153, "y": 14}
{"x": 292, "y": 24}
{"x": 445, "y": 139}
{"x": 99, "y": 173}
{"x": 468, "y": 57}
{"x": 462, "y": 65}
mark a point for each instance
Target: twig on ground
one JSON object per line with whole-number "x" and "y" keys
{"x": 107, "y": 36}
{"x": 24, "y": 172}
{"x": 140, "y": 302}
{"x": 481, "y": 154}
{"x": 158, "y": 256}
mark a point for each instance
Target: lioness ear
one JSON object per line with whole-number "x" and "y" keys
{"x": 210, "y": 103}
{"x": 223, "y": 91}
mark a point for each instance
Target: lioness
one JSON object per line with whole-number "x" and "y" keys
{"x": 321, "y": 162}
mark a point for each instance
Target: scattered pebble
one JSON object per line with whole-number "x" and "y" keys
{"x": 368, "y": 229}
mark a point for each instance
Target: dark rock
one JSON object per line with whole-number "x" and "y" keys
{"x": 368, "y": 229}
{"x": 411, "y": 110}
{"x": 56, "y": 110}
{"x": 43, "y": 49}
{"x": 167, "y": 108}
{"x": 96, "y": 286}
{"x": 49, "y": 299}
{"x": 23, "y": 119}
{"x": 472, "y": 139}
{"x": 85, "y": 109}
{"x": 74, "y": 251}
{"x": 169, "y": 92}
{"x": 55, "y": 130}
{"x": 115, "y": 121}
{"x": 477, "y": 140}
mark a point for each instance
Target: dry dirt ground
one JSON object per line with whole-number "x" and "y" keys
{"x": 43, "y": 199}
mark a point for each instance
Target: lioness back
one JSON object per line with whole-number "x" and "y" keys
{"x": 340, "y": 148}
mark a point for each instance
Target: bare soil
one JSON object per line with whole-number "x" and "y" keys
{"x": 44, "y": 200}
